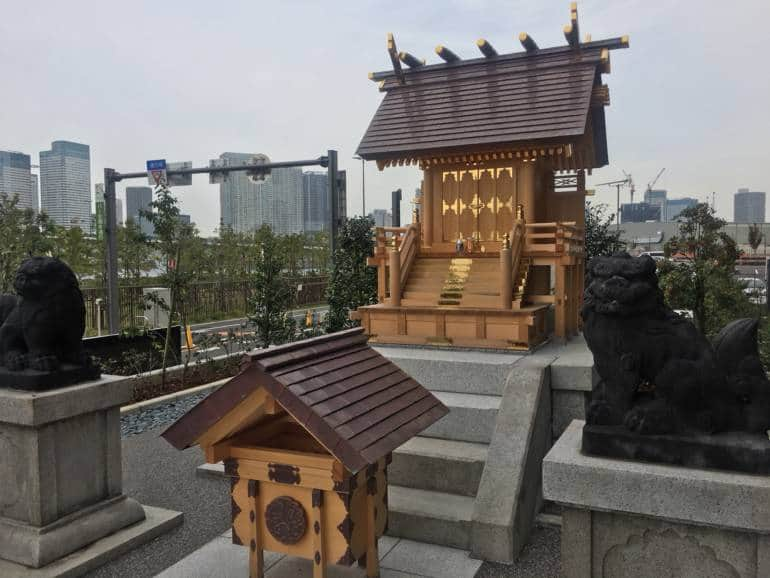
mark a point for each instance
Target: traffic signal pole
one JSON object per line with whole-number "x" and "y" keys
{"x": 111, "y": 176}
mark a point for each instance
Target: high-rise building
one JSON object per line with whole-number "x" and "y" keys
{"x": 16, "y": 179}
{"x": 239, "y": 206}
{"x": 138, "y": 199}
{"x": 382, "y": 217}
{"x": 676, "y": 206}
{"x": 749, "y": 206}
{"x": 281, "y": 197}
{"x": 656, "y": 198}
{"x": 639, "y": 212}
{"x": 100, "y": 216}
{"x": 342, "y": 195}
{"x": 245, "y": 206}
{"x": 185, "y": 219}
{"x": 35, "y": 192}
{"x": 315, "y": 187}
{"x": 65, "y": 184}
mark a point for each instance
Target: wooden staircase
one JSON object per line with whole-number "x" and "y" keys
{"x": 460, "y": 281}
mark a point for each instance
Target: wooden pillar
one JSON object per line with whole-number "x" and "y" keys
{"x": 506, "y": 277}
{"x": 372, "y": 555}
{"x": 381, "y": 281}
{"x": 395, "y": 278}
{"x": 527, "y": 191}
{"x": 560, "y": 329}
{"x": 427, "y": 209}
{"x": 256, "y": 555}
{"x": 319, "y": 560}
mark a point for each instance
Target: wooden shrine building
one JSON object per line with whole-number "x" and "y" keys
{"x": 494, "y": 256}
{"x": 306, "y": 431}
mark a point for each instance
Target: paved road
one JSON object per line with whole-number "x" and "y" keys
{"x": 204, "y": 332}
{"x": 298, "y": 314}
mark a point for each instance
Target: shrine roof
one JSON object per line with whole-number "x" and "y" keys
{"x": 493, "y": 103}
{"x": 358, "y": 404}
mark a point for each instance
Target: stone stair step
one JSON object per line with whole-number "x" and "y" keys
{"x": 433, "y": 517}
{"x": 455, "y": 371}
{"x": 439, "y": 465}
{"x": 471, "y": 417}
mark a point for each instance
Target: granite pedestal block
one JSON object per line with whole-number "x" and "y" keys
{"x": 633, "y": 519}
{"x": 60, "y": 470}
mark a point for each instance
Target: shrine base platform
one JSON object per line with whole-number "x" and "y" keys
{"x": 485, "y": 328}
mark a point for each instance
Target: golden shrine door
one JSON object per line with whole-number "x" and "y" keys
{"x": 477, "y": 203}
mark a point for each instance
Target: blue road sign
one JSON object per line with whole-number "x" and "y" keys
{"x": 156, "y": 172}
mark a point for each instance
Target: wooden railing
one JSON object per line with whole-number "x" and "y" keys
{"x": 554, "y": 239}
{"x": 406, "y": 240}
{"x": 408, "y": 250}
{"x": 518, "y": 240}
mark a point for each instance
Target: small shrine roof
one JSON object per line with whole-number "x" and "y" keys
{"x": 358, "y": 404}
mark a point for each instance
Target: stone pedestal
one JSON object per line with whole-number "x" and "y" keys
{"x": 632, "y": 519}
{"x": 60, "y": 472}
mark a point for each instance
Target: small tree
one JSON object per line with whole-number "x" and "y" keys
{"x": 755, "y": 237}
{"x": 172, "y": 239}
{"x": 77, "y": 251}
{"x": 134, "y": 251}
{"x": 601, "y": 235}
{"x": 273, "y": 295}
{"x": 701, "y": 278}
{"x": 352, "y": 282}
{"x": 22, "y": 234}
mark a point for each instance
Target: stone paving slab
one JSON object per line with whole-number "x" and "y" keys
{"x": 157, "y": 522}
{"x": 398, "y": 559}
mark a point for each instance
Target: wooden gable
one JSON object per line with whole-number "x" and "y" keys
{"x": 539, "y": 102}
{"x": 351, "y": 401}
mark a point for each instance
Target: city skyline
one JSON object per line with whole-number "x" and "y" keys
{"x": 669, "y": 98}
{"x": 13, "y": 163}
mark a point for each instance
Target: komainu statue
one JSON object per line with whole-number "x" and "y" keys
{"x": 658, "y": 374}
{"x": 41, "y": 328}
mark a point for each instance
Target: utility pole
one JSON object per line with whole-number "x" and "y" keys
{"x": 111, "y": 253}
{"x": 334, "y": 202}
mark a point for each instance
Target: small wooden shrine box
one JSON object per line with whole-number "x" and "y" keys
{"x": 306, "y": 431}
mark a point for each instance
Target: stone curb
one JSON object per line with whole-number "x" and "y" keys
{"x": 160, "y": 400}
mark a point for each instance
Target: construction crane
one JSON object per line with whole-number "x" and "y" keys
{"x": 655, "y": 180}
{"x": 629, "y": 182}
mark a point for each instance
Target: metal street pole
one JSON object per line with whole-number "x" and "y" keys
{"x": 334, "y": 198}
{"x": 111, "y": 254}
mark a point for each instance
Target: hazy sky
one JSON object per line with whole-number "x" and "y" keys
{"x": 188, "y": 80}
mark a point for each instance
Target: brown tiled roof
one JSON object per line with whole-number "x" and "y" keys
{"x": 485, "y": 103}
{"x": 356, "y": 402}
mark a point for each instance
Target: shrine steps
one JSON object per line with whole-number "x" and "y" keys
{"x": 456, "y": 301}
{"x": 433, "y": 517}
{"x": 439, "y": 465}
{"x": 471, "y": 480}
{"x": 434, "y": 478}
{"x": 471, "y": 417}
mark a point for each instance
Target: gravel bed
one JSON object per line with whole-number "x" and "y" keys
{"x": 159, "y": 416}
